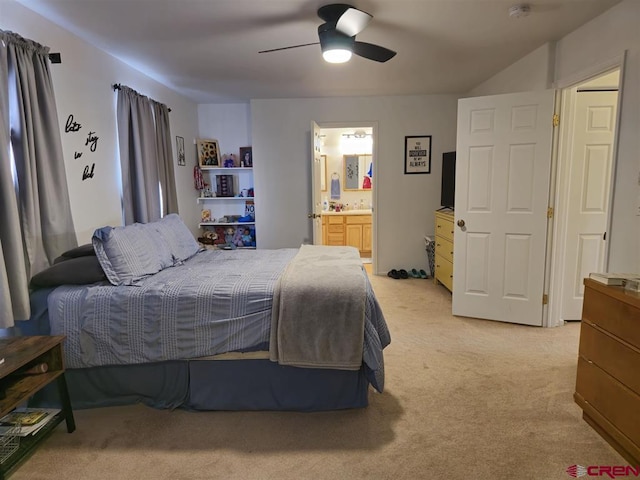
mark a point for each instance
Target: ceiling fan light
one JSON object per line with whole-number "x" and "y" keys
{"x": 337, "y": 55}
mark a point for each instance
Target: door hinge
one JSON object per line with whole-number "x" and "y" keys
{"x": 556, "y": 119}
{"x": 549, "y": 212}
{"x": 545, "y": 299}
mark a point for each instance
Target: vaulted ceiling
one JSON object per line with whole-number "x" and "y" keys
{"x": 208, "y": 49}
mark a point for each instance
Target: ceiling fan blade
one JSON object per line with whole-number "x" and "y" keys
{"x": 287, "y": 48}
{"x": 373, "y": 52}
{"x": 352, "y": 22}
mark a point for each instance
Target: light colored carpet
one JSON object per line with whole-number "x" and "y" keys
{"x": 465, "y": 399}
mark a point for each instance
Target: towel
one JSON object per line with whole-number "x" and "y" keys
{"x": 335, "y": 189}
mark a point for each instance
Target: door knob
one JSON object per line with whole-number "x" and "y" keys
{"x": 461, "y": 223}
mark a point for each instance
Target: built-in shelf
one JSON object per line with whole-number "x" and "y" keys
{"x": 227, "y": 168}
{"x": 213, "y": 224}
{"x": 206, "y": 199}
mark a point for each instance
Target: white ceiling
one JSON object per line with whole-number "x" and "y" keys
{"x": 208, "y": 49}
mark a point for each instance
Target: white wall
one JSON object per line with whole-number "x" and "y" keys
{"x": 590, "y": 49}
{"x": 584, "y": 50}
{"x": 405, "y": 203}
{"x": 531, "y": 73}
{"x": 82, "y": 84}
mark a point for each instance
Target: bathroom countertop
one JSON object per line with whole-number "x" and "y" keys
{"x": 349, "y": 212}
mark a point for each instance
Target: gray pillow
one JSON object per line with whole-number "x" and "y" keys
{"x": 81, "y": 251}
{"x": 175, "y": 233}
{"x": 129, "y": 254}
{"x": 73, "y": 271}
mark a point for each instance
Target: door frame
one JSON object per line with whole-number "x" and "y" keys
{"x": 374, "y": 157}
{"x": 557, "y": 230}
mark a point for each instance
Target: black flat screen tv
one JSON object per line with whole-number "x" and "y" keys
{"x": 448, "y": 192}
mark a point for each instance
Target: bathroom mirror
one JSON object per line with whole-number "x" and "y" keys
{"x": 323, "y": 173}
{"x": 357, "y": 172}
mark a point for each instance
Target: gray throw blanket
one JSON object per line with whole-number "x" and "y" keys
{"x": 318, "y": 310}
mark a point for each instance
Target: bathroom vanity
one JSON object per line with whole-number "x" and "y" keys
{"x": 351, "y": 227}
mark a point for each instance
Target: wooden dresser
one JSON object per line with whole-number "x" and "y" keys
{"x": 608, "y": 377}
{"x": 444, "y": 249}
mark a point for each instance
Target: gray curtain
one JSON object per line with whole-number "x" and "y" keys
{"x": 165, "y": 159}
{"x": 145, "y": 158}
{"x": 36, "y": 224}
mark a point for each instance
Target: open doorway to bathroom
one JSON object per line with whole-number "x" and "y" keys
{"x": 347, "y": 185}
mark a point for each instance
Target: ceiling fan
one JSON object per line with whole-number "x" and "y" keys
{"x": 338, "y": 35}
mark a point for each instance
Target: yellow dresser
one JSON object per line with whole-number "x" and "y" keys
{"x": 444, "y": 250}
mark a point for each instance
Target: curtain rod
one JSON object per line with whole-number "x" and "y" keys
{"x": 117, "y": 86}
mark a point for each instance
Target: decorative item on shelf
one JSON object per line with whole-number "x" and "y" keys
{"x": 229, "y": 160}
{"x": 208, "y": 238}
{"x": 207, "y": 193}
{"x": 208, "y": 152}
{"x": 206, "y": 216}
{"x": 250, "y": 209}
{"x": 246, "y": 157}
{"x": 224, "y": 184}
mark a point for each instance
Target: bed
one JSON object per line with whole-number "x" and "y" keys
{"x": 172, "y": 325}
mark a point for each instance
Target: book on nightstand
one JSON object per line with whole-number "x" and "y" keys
{"x": 615, "y": 279}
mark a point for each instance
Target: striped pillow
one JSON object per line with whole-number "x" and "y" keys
{"x": 177, "y": 236}
{"x": 129, "y": 254}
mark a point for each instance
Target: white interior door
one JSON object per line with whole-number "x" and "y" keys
{"x": 503, "y": 168}
{"x": 589, "y": 182}
{"x": 316, "y": 172}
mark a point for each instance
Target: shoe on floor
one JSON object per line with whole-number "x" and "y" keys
{"x": 403, "y": 273}
{"x": 394, "y": 274}
{"x": 415, "y": 273}
{"x": 423, "y": 274}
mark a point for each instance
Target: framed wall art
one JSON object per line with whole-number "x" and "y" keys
{"x": 208, "y": 153}
{"x": 417, "y": 154}
{"x": 180, "y": 151}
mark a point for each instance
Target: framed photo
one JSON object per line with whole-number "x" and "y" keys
{"x": 208, "y": 153}
{"x": 246, "y": 157}
{"x": 417, "y": 154}
{"x": 180, "y": 150}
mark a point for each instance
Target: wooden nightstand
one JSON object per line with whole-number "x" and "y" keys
{"x": 19, "y": 352}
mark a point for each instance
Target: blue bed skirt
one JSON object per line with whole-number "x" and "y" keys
{"x": 215, "y": 385}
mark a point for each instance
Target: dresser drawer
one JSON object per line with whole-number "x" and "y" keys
{"x": 615, "y": 358}
{"x": 335, "y": 219}
{"x": 444, "y": 248}
{"x": 610, "y": 398}
{"x": 444, "y": 271}
{"x": 610, "y": 314}
{"x": 444, "y": 226}
{"x": 336, "y": 228}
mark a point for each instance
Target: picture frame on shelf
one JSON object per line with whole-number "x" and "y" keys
{"x": 246, "y": 157}
{"x": 417, "y": 154}
{"x": 208, "y": 152}
{"x": 180, "y": 151}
